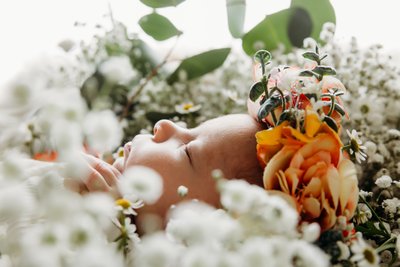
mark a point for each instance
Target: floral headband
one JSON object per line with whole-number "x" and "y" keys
{"x": 301, "y": 150}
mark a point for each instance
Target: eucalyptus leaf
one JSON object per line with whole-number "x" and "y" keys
{"x": 312, "y": 56}
{"x": 268, "y": 106}
{"x": 290, "y": 26}
{"x": 331, "y": 123}
{"x": 268, "y": 34}
{"x": 320, "y": 12}
{"x": 200, "y": 64}
{"x": 236, "y": 11}
{"x": 324, "y": 70}
{"x": 158, "y": 27}
{"x": 256, "y": 90}
{"x": 161, "y": 3}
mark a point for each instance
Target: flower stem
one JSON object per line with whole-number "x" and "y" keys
{"x": 377, "y": 217}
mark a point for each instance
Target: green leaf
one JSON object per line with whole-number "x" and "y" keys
{"x": 312, "y": 56}
{"x": 200, "y": 64}
{"x": 324, "y": 70}
{"x": 236, "y": 10}
{"x": 268, "y": 34}
{"x": 155, "y": 116}
{"x": 158, "y": 27}
{"x": 161, "y": 3}
{"x": 290, "y": 26}
{"x": 256, "y": 90}
{"x": 262, "y": 56}
{"x": 320, "y": 12}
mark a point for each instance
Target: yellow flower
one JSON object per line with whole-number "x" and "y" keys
{"x": 308, "y": 167}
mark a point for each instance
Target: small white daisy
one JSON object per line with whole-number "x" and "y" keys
{"x": 356, "y": 147}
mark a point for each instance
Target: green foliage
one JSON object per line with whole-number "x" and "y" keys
{"x": 256, "y": 90}
{"x": 289, "y": 27}
{"x": 268, "y": 33}
{"x": 200, "y": 64}
{"x": 158, "y": 27}
{"x": 236, "y": 11}
{"x": 161, "y": 3}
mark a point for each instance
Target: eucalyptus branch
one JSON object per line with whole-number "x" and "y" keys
{"x": 151, "y": 75}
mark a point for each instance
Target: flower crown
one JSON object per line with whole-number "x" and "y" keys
{"x": 304, "y": 158}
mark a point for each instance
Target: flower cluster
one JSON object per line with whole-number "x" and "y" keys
{"x": 301, "y": 150}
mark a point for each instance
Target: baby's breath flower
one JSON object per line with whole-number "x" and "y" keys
{"x": 384, "y": 181}
{"x": 355, "y": 146}
{"x": 363, "y": 213}
{"x": 141, "y": 182}
{"x": 182, "y": 190}
{"x": 391, "y": 206}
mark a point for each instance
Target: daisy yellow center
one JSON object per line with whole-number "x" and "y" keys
{"x": 187, "y": 106}
{"x": 124, "y": 203}
{"x": 354, "y": 145}
{"x": 369, "y": 255}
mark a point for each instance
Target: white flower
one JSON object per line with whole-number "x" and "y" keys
{"x": 157, "y": 250}
{"x": 363, "y": 254}
{"x": 15, "y": 202}
{"x": 182, "y": 191}
{"x": 310, "y": 231}
{"x": 103, "y": 130}
{"x": 100, "y": 206}
{"x": 363, "y": 213}
{"x": 99, "y": 255}
{"x": 344, "y": 250}
{"x": 141, "y": 182}
{"x": 302, "y": 253}
{"x": 392, "y": 205}
{"x": 384, "y": 181}
{"x": 356, "y": 146}
{"x": 118, "y": 69}
{"x": 259, "y": 252}
{"x": 398, "y": 244}
{"x": 187, "y": 108}
{"x": 200, "y": 224}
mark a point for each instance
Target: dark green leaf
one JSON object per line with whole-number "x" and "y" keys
{"x": 200, "y": 64}
{"x": 331, "y": 123}
{"x": 324, "y": 70}
{"x": 269, "y": 105}
{"x": 155, "y": 116}
{"x": 268, "y": 34}
{"x": 320, "y": 12}
{"x": 312, "y": 56}
{"x": 290, "y": 26}
{"x": 158, "y": 27}
{"x": 299, "y": 26}
{"x": 236, "y": 10}
{"x": 307, "y": 73}
{"x": 256, "y": 90}
{"x": 161, "y": 3}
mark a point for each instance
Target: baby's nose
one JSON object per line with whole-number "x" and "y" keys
{"x": 164, "y": 130}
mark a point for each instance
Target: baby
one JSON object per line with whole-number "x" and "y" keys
{"x": 187, "y": 157}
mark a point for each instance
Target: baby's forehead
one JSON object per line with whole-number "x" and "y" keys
{"x": 233, "y": 121}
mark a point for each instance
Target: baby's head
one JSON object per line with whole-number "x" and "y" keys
{"x": 188, "y": 156}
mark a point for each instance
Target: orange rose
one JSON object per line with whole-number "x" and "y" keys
{"x": 309, "y": 169}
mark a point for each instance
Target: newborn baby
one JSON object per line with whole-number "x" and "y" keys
{"x": 187, "y": 157}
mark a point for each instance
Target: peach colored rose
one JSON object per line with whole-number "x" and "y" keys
{"x": 308, "y": 167}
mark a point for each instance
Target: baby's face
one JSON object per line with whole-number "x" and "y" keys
{"x": 188, "y": 156}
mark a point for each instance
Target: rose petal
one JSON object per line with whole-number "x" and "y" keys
{"x": 331, "y": 185}
{"x": 293, "y": 178}
{"x": 313, "y": 188}
{"x": 279, "y": 162}
{"x": 311, "y": 207}
{"x": 317, "y": 170}
{"x": 319, "y": 156}
{"x": 312, "y": 123}
{"x": 349, "y": 188}
{"x": 271, "y": 136}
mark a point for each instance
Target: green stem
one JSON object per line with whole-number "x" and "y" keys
{"x": 376, "y": 216}
{"x": 386, "y": 245}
